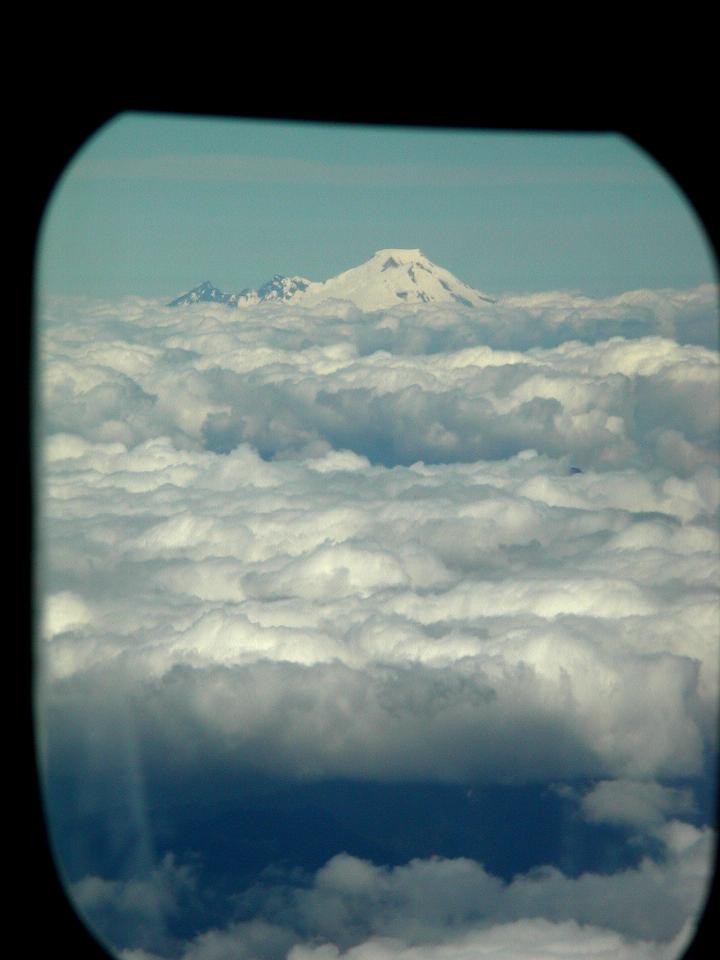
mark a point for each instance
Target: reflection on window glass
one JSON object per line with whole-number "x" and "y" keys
{"x": 379, "y": 485}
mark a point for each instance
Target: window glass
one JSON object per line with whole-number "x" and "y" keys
{"x": 378, "y": 489}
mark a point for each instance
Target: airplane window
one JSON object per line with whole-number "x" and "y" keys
{"x": 377, "y": 483}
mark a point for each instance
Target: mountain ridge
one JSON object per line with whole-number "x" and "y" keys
{"x": 390, "y": 277}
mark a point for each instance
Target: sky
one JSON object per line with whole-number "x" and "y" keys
{"x": 153, "y": 205}
{"x": 384, "y": 635}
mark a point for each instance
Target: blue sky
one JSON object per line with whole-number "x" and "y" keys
{"x": 154, "y": 204}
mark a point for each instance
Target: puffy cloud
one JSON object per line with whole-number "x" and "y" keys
{"x": 537, "y": 594}
{"x": 423, "y": 899}
{"x": 441, "y": 908}
{"x": 136, "y": 911}
{"x": 533, "y": 939}
{"x": 65, "y": 610}
{"x": 636, "y": 803}
{"x": 688, "y": 316}
{"x": 296, "y": 384}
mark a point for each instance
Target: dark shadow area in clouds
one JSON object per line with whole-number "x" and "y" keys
{"x": 234, "y": 831}
{"x": 390, "y": 431}
{"x": 278, "y": 863}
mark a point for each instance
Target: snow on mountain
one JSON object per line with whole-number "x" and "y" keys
{"x": 279, "y": 288}
{"x": 388, "y": 278}
{"x": 391, "y": 277}
{"x": 205, "y": 293}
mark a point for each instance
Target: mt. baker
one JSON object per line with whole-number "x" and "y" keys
{"x": 388, "y": 278}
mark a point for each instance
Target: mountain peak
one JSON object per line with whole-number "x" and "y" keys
{"x": 393, "y": 276}
{"x": 401, "y": 255}
{"x": 204, "y": 293}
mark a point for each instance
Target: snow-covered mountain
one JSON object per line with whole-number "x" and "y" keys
{"x": 388, "y": 278}
{"x": 395, "y": 276}
{"x": 205, "y": 293}
{"x": 279, "y": 288}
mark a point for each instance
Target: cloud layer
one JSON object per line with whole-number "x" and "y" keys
{"x": 449, "y": 547}
{"x": 441, "y": 908}
{"x": 337, "y": 617}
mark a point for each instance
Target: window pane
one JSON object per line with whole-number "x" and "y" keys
{"x": 379, "y": 570}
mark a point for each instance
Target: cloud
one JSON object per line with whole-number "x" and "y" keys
{"x": 136, "y": 911}
{"x": 424, "y": 899}
{"x": 532, "y": 594}
{"x": 393, "y": 388}
{"x": 522, "y": 940}
{"x": 63, "y": 611}
{"x": 635, "y": 803}
{"x": 687, "y": 316}
{"x": 440, "y": 548}
{"x": 437, "y": 908}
